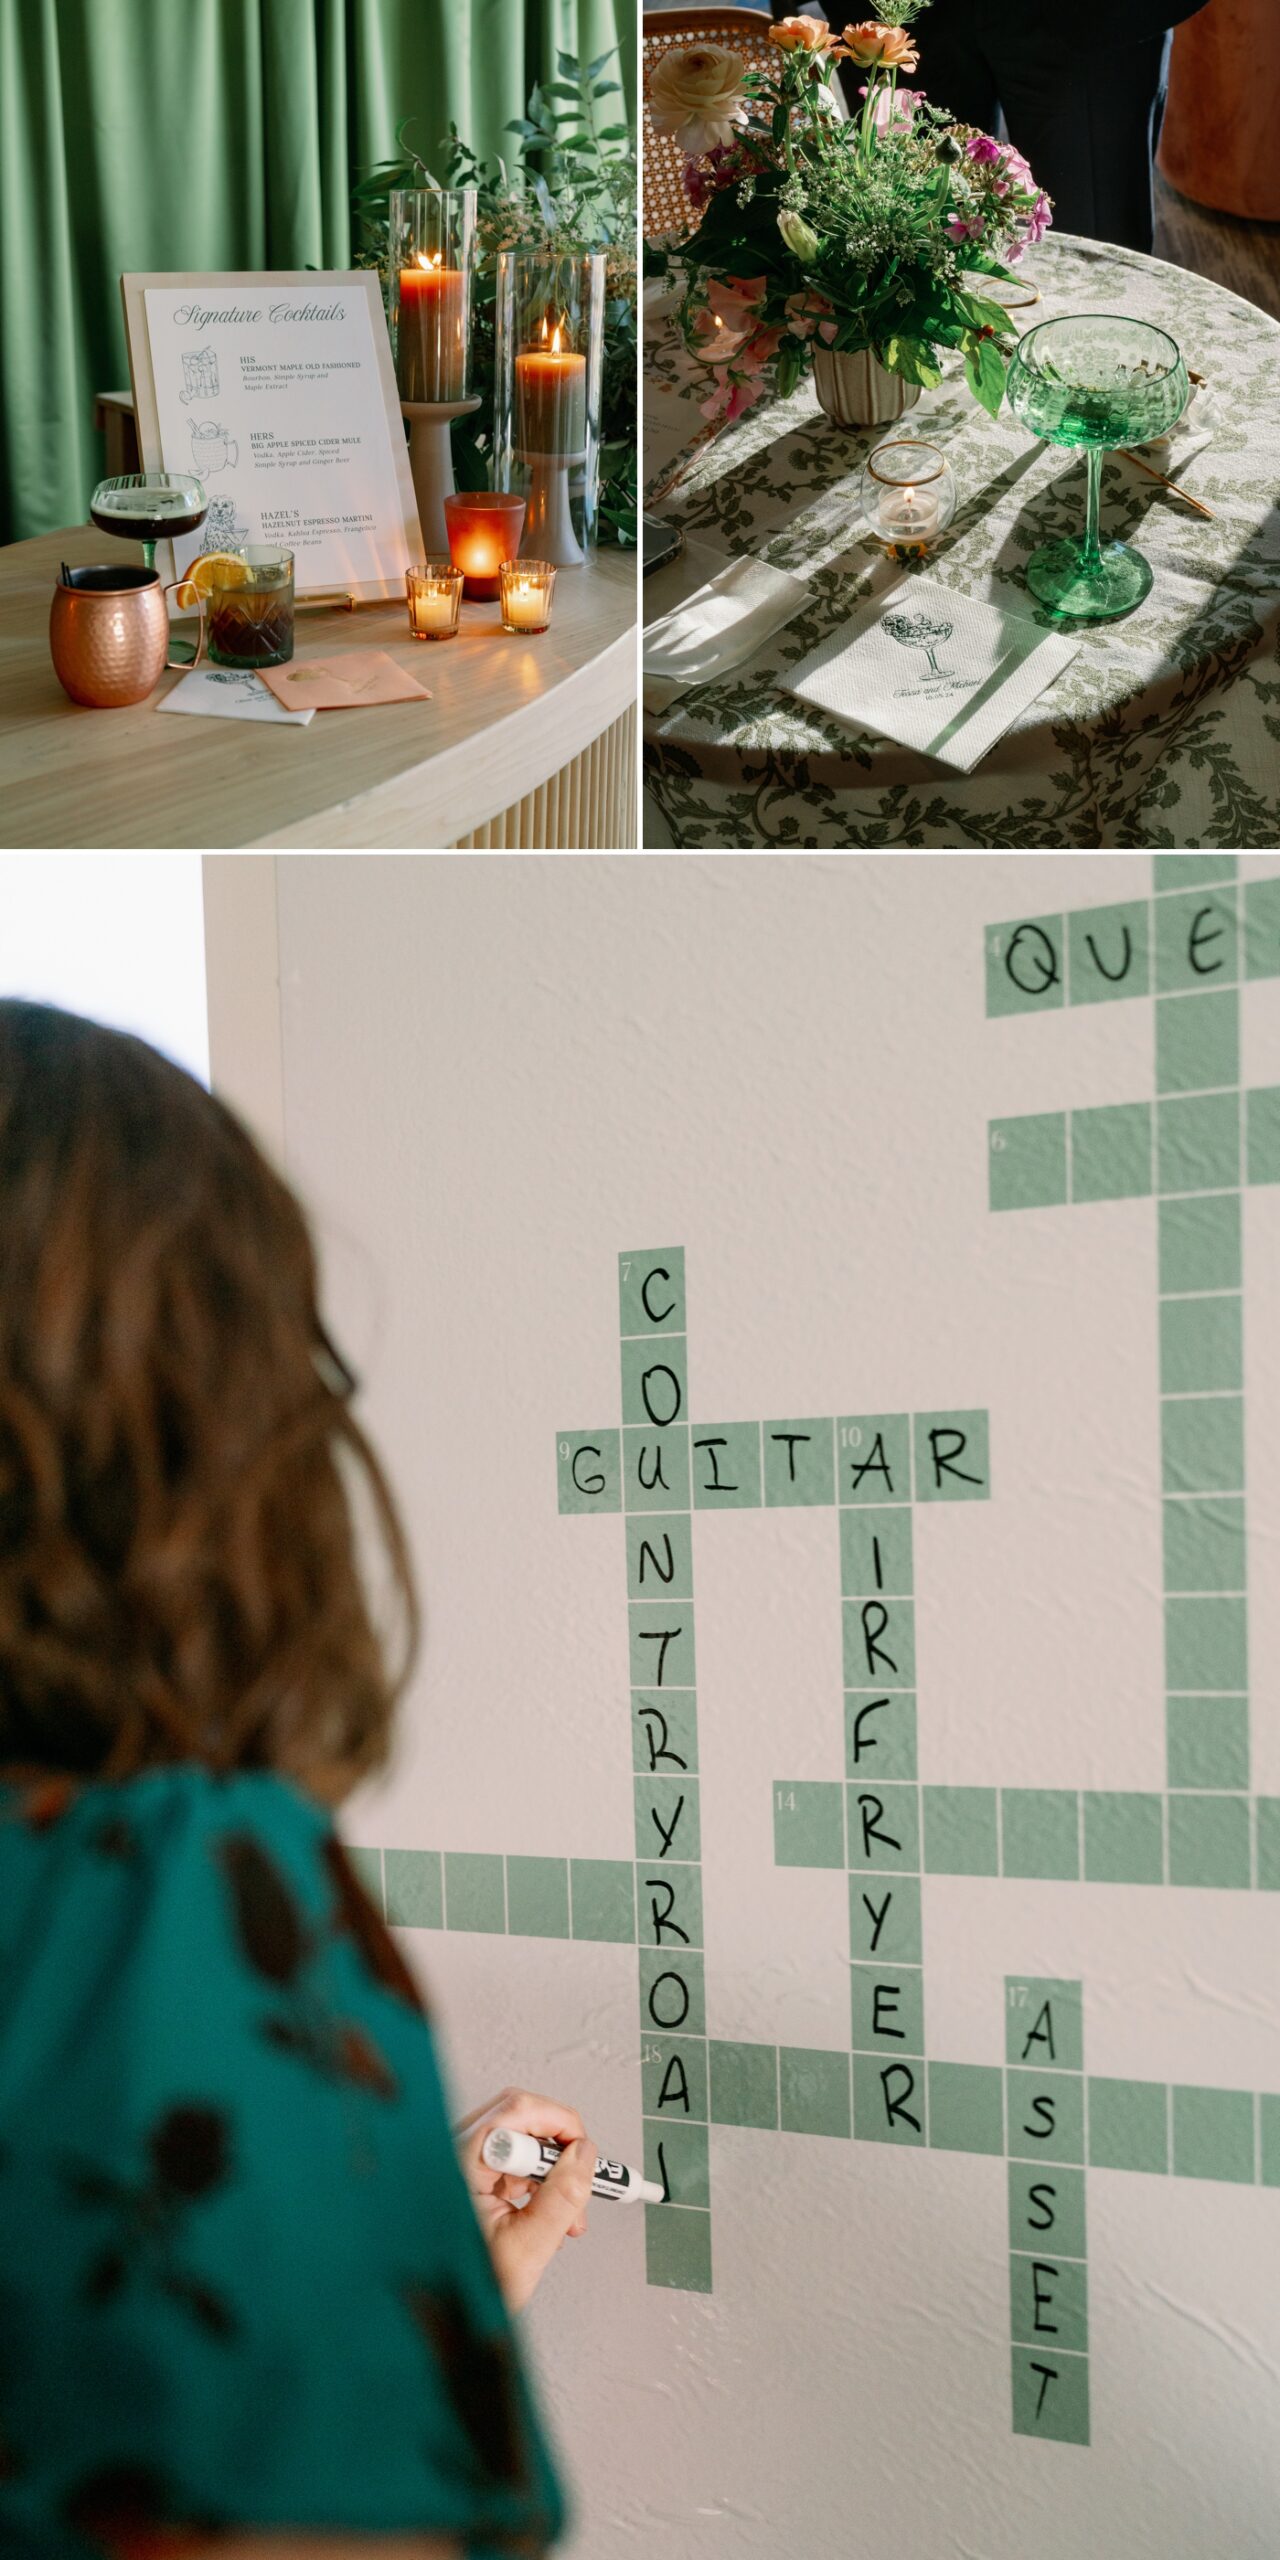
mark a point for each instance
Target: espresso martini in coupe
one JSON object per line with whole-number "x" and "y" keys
{"x": 149, "y": 507}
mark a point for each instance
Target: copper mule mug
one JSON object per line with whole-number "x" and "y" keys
{"x": 109, "y": 635}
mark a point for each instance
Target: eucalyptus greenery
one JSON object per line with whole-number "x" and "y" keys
{"x": 569, "y": 186}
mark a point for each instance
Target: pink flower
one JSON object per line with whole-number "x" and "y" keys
{"x": 960, "y": 229}
{"x": 981, "y": 147}
{"x": 827, "y": 332}
{"x": 806, "y": 312}
{"x": 892, "y": 106}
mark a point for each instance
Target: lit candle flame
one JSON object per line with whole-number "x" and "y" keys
{"x": 434, "y": 260}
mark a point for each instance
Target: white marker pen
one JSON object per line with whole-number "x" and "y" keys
{"x": 522, "y": 2155}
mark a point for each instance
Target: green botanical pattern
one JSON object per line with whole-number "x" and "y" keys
{"x": 1164, "y": 730}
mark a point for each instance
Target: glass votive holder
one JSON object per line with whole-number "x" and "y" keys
{"x": 434, "y": 590}
{"x": 484, "y": 530}
{"x": 527, "y": 589}
{"x": 908, "y": 496}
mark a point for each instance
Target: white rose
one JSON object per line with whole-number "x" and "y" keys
{"x": 695, "y": 94}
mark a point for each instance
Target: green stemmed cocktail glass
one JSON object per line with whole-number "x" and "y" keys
{"x": 1099, "y": 381}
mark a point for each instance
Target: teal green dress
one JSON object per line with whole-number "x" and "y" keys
{"x": 241, "y": 2280}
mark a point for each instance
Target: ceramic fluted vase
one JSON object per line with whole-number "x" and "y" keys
{"x": 856, "y": 391}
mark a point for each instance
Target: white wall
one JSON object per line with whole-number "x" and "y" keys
{"x": 497, "y": 1075}
{"x": 118, "y": 937}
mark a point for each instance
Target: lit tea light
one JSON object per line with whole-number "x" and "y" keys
{"x": 527, "y": 587}
{"x": 908, "y": 495}
{"x": 908, "y": 515}
{"x": 435, "y": 594}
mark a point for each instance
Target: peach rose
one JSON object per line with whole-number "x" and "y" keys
{"x": 884, "y": 48}
{"x": 802, "y": 35}
{"x": 695, "y": 95}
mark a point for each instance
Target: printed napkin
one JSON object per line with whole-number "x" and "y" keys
{"x": 351, "y": 681}
{"x": 933, "y": 670}
{"x": 718, "y": 628}
{"x": 228, "y": 693}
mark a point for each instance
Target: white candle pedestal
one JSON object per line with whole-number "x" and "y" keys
{"x": 431, "y": 462}
{"x": 548, "y": 519}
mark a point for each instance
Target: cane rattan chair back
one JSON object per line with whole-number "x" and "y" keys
{"x": 668, "y": 214}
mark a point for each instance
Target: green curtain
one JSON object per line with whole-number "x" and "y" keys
{"x": 144, "y": 134}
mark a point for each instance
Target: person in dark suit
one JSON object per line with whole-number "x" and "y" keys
{"x": 1081, "y": 101}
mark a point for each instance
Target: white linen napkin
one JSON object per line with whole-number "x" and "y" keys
{"x": 936, "y": 671}
{"x": 228, "y": 693}
{"x": 717, "y": 628}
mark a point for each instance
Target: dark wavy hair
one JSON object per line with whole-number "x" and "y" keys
{"x": 178, "y": 1456}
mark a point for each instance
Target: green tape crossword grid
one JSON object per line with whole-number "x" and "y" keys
{"x": 878, "y": 1825}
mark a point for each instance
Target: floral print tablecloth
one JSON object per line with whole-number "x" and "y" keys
{"x": 1164, "y": 730}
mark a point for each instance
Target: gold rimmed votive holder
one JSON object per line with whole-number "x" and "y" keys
{"x": 908, "y": 496}
{"x": 527, "y": 587}
{"x": 434, "y": 590}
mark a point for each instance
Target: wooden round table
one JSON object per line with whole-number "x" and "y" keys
{"x": 525, "y": 742}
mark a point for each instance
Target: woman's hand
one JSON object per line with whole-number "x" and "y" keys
{"x": 523, "y": 2238}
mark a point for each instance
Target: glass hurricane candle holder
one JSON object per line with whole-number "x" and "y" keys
{"x": 434, "y": 590}
{"x": 527, "y": 589}
{"x": 908, "y": 496}
{"x": 432, "y": 252}
{"x": 484, "y": 530}
{"x": 549, "y": 334}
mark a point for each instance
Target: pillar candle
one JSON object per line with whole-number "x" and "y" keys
{"x": 551, "y": 398}
{"x": 431, "y": 339}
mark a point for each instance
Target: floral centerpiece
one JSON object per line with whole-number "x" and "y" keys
{"x": 866, "y": 236}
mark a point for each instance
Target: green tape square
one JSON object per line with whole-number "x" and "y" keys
{"x": 1040, "y": 1832}
{"x": 1209, "y": 1841}
{"x": 673, "y": 2000}
{"x": 1213, "y": 2135}
{"x": 1204, "y": 1546}
{"x": 880, "y": 1733}
{"x": 880, "y": 1642}
{"x": 887, "y": 2008}
{"x": 815, "y": 2091}
{"x": 884, "y": 1828}
{"x": 961, "y": 1837}
{"x": 659, "y": 1556}
{"x": 1196, "y": 940}
{"x": 1203, "y": 1445}
{"x": 875, "y": 1550}
{"x": 1268, "y": 1814}
{"x": 664, "y": 1731}
{"x": 952, "y": 1457}
{"x": 1050, "y": 2396}
{"x": 1198, "y": 1142}
{"x": 744, "y": 2084}
{"x": 474, "y": 1892}
{"x": 673, "y": 2079}
{"x": 538, "y": 1897}
{"x": 669, "y": 1906}
{"x": 677, "y": 2248}
{"x": 655, "y": 1469}
{"x": 884, "y": 1918}
{"x": 651, "y": 1291}
{"x": 1194, "y": 870}
{"x": 888, "y": 2101}
{"x": 808, "y": 1823}
{"x": 1123, "y": 1838}
{"x": 1024, "y": 961}
{"x": 966, "y": 2107}
{"x": 1262, "y": 1133}
{"x": 799, "y": 1461}
{"x": 589, "y": 1471}
{"x": 1108, "y": 952}
{"x": 676, "y": 2157}
{"x": 726, "y": 1466}
{"x": 1111, "y": 1152}
{"x": 662, "y": 1644}
{"x": 367, "y": 1865}
{"x": 415, "y": 1889}
{"x": 1200, "y": 1245}
{"x": 1048, "y": 2303}
{"x": 655, "y": 1382}
{"x": 667, "y": 1819}
{"x": 1262, "y": 928}
{"x": 1270, "y": 2108}
{"x": 1027, "y": 1161}
{"x": 603, "y": 1898}
{"x": 1197, "y": 1042}
{"x": 1046, "y": 2115}
{"x": 1044, "y": 2021}
{"x": 1046, "y": 2208}
{"x": 873, "y": 1457}
{"x": 1207, "y": 1741}
{"x": 1129, "y": 2125}
{"x": 1201, "y": 1345}
{"x": 1206, "y": 1645}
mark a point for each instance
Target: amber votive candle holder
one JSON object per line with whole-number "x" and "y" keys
{"x": 484, "y": 530}
{"x": 527, "y": 589}
{"x": 434, "y": 589}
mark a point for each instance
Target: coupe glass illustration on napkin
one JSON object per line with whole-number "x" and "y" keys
{"x": 953, "y": 706}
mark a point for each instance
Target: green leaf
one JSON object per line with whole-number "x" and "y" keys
{"x": 984, "y": 371}
{"x": 568, "y": 63}
{"x": 614, "y": 133}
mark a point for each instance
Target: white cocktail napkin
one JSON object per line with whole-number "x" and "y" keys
{"x": 223, "y": 693}
{"x": 875, "y": 670}
{"x": 718, "y": 628}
